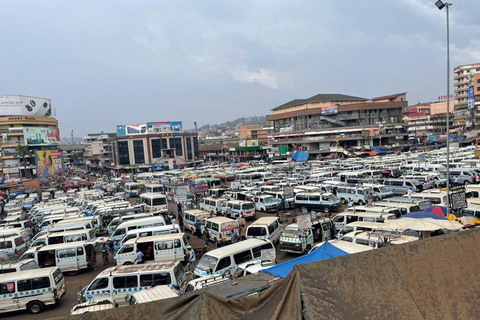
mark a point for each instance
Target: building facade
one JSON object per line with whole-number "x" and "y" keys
{"x": 428, "y": 121}
{"x": 152, "y": 150}
{"x": 467, "y": 77}
{"x": 98, "y": 149}
{"x": 18, "y": 131}
{"x": 336, "y": 123}
{"x": 258, "y": 132}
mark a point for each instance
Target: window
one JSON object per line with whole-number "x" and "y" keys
{"x": 156, "y": 149}
{"x": 164, "y": 245}
{"x": 271, "y": 229}
{"x": 98, "y": 284}
{"x": 315, "y": 198}
{"x": 189, "y": 148}
{"x": 57, "y": 275}
{"x": 348, "y": 239}
{"x": 177, "y": 243}
{"x": 66, "y": 253}
{"x": 19, "y": 241}
{"x": 126, "y": 248}
{"x": 223, "y": 263}
{"x": 33, "y": 284}
{"x": 164, "y": 144}
{"x": 302, "y": 197}
{"x": 362, "y": 241}
{"x": 123, "y": 155}
{"x": 236, "y": 206}
{"x": 79, "y": 251}
{"x": 7, "y": 288}
{"x": 155, "y": 279}
{"x": 242, "y": 257}
{"x": 215, "y": 227}
{"x": 3, "y": 270}
{"x": 6, "y": 244}
{"x": 138, "y": 152}
{"x": 125, "y": 282}
{"x": 257, "y": 252}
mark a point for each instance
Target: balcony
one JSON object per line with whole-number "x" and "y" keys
{"x": 461, "y": 75}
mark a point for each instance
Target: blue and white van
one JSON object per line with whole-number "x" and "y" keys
{"x": 358, "y": 195}
{"x": 269, "y": 228}
{"x": 219, "y": 229}
{"x": 325, "y": 202}
{"x": 212, "y": 204}
{"x": 239, "y": 208}
{"x": 225, "y": 260}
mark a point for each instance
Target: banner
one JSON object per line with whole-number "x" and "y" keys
{"x": 36, "y": 136}
{"x": 131, "y": 129}
{"x": 252, "y": 143}
{"x": 471, "y": 98}
{"x": 25, "y": 106}
{"x": 165, "y": 127}
{"x": 327, "y": 111}
{"x": 49, "y": 163}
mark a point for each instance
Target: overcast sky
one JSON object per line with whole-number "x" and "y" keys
{"x": 113, "y": 62}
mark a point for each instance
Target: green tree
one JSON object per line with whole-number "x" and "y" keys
{"x": 22, "y": 153}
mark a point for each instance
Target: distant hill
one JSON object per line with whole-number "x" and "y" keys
{"x": 234, "y": 123}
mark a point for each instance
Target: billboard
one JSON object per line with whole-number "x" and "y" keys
{"x": 328, "y": 111}
{"x": 49, "y": 163}
{"x": 131, "y": 129}
{"x": 37, "y": 136}
{"x": 252, "y": 143}
{"x": 471, "y": 98}
{"x": 25, "y": 106}
{"x": 165, "y": 127}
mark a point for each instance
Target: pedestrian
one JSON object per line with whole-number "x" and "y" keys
{"x": 350, "y": 203}
{"x": 410, "y": 191}
{"x": 139, "y": 257}
{"x": 198, "y": 226}
{"x": 242, "y": 232}
{"x": 207, "y": 236}
{"x": 179, "y": 208}
{"x": 228, "y": 212}
{"x": 105, "y": 253}
{"x": 474, "y": 178}
{"x": 173, "y": 220}
{"x": 180, "y": 222}
{"x": 191, "y": 259}
{"x": 234, "y": 236}
{"x": 283, "y": 207}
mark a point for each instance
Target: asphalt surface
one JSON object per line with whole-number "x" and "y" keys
{"x": 75, "y": 282}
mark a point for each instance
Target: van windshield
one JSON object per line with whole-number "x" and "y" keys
{"x": 292, "y": 233}
{"x": 248, "y": 206}
{"x": 256, "y": 231}
{"x": 207, "y": 262}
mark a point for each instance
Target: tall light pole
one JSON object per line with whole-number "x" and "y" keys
{"x": 440, "y": 5}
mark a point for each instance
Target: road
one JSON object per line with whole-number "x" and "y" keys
{"x": 75, "y": 282}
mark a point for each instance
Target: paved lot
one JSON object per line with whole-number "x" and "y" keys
{"x": 76, "y": 282}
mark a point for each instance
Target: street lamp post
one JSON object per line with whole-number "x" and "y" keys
{"x": 440, "y": 5}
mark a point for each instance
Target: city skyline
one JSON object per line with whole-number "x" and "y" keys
{"x": 124, "y": 62}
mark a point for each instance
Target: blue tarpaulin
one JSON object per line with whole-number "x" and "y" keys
{"x": 300, "y": 156}
{"x": 325, "y": 251}
{"x": 379, "y": 151}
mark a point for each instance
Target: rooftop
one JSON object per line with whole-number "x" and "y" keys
{"x": 319, "y": 98}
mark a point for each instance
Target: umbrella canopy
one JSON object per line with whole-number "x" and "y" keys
{"x": 423, "y": 224}
{"x": 470, "y": 220}
{"x": 440, "y": 210}
{"x": 423, "y": 215}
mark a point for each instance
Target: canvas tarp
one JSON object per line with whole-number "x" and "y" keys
{"x": 325, "y": 251}
{"x": 301, "y": 156}
{"x": 435, "y": 278}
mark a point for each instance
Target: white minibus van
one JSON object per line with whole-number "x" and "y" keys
{"x": 147, "y": 232}
{"x": 122, "y": 228}
{"x": 31, "y": 290}
{"x": 72, "y": 256}
{"x": 21, "y": 265}
{"x": 167, "y": 247}
{"x": 269, "y": 228}
{"x": 154, "y": 202}
{"x": 226, "y": 259}
{"x": 117, "y": 282}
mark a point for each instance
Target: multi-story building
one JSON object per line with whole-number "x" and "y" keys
{"x": 428, "y": 121}
{"x": 98, "y": 149}
{"x": 332, "y": 123}
{"x": 25, "y": 121}
{"x": 136, "y": 146}
{"x": 467, "y": 76}
{"x": 254, "y": 132}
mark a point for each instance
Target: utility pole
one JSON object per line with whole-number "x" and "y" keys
{"x": 72, "y": 136}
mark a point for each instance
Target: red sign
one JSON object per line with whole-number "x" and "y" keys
{"x": 10, "y": 286}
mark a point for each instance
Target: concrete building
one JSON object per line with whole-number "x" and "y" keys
{"x": 144, "y": 151}
{"x": 467, "y": 76}
{"x": 99, "y": 149}
{"x": 258, "y": 132}
{"x": 428, "y": 121}
{"x": 25, "y": 121}
{"x": 337, "y": 123}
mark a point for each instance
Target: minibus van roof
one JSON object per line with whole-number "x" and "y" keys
{"x": 146, "y": 267}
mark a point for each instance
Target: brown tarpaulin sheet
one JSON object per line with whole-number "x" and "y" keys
{"x": 435, "y": 278}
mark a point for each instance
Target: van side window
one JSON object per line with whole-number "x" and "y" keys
{"x": 125, "y": 282}
{"x": 257, "y": 251}
{"x": 314, "y": 198}
{"x": 155, "y": 279}
{"x": 101, "y": 283}
{"x": 242, "y": 257}
{"x": 224, "y": 263}
{"x": 177, "y": 243}
{"x": 215, "y": 227}
{"x": 18, "y": 241}
{"x": 348, "y": 239}
{"x": 164, "y": 245}
{"x": 126, "y": 248}
{"x": 66, "y": 253}
{"x": 79, "y": 251}
{"x": 351, "y": 219}
{"x": 33, "y": 284}
{"x": 302, "y": 197}
{"x": 362, "y": 241}
{"x": 271, "y": 229}
{"x": 4, "y": 287}
{"x": 236, "y": 206}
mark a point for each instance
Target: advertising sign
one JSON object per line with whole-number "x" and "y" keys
{"x": 182, "y": 194}
{"x": 49, "y": 163}
{"x": 267, "y": 255}
{"x": 36, "y": 136}
{"x": 10, "y": 170}
{"x": 328, "y": 111}
{"x": 304, "y": 222}
{"x": 252, "y": 143}
{"x": 25, "y": 106}
{"x": 165, "y": 127}
{"x": 242, "y": 144}
{"x": 471, "y": 98}
{"x": 131, "y": 129}
{"x": 458, "y": 200}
